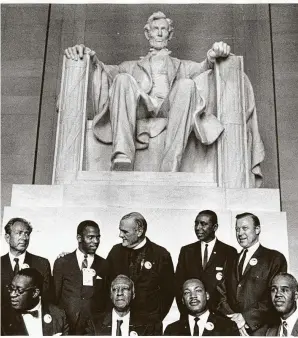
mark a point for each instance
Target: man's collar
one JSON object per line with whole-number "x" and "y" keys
{"x": 20, "y": 257}
{"x": 254, "y": 247}
{"x": 37, "y": 306}
{"x": 141, "y": 244}
{"x": 293, "y": 318}
{"x": 81, "y": 254}
{"x": 211, "y": 243}
{"x": 115, "y": 315}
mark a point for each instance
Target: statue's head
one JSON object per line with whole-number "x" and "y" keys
{"x": 159, "y": 30}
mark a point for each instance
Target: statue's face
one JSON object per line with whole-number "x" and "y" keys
{"x": 159, "y": 34}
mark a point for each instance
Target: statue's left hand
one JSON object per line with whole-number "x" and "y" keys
{"x": 218, "y": 50}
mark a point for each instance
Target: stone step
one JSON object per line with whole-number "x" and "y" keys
{"x": 144, "y": 194}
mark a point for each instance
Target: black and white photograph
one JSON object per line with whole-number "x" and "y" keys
{"x": 149, "y": 169}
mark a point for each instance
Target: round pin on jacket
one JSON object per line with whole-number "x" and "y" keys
{"x": 47, "y": 318}
{"x": 148, "y": 265}
{"x": 219, "y": 276}
{"x": 253, "y": 262}
{"x": 133, "y": 333}
{"x": 25, "y": 266}
{"x": 209, "y": 326}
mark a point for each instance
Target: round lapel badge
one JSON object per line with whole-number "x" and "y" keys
{"x": 133, "y": 333}
{"x": 47, "y": 318}
{"x": 253, "y": 262}
{"x": 25, "y": 266}
{"x": 209, "y": 326}
{"x": 219, "y": 276}
{"x": 148, "y": 265}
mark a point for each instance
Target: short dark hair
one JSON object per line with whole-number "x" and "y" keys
{"x": 287, "y": 275}
{"x": 254, "y": 218}
{"x": 83, "y": 225}
{"x": 35, "y": 275}
{"x": 138, "y": 218}
{"x": 209, "y": 213}
{"x": 12, "y": 221}
{"x": 130, "y": 281}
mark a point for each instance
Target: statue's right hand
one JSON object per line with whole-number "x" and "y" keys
{"x": 62, "y": 254}
{"x": 77, "y": 52}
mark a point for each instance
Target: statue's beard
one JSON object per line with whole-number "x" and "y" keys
{"x": 158, "y": 44}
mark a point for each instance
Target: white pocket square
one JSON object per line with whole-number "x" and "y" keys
{"x": 218, "y": 268}
{"x": 58, "y": 334}
{"x": 98, "y": 277}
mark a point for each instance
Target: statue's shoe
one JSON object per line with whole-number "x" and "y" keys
{"x": 121, "y": 163}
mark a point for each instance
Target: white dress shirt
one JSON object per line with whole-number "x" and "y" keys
{"x": 21, "y": 259}
{"x": 80, "y": 258}
{"x": 210, "y": 248}
{"x": 124, "y": 326}
{"x": 201, "y": 323}
{"x": 291, "y": 323}
{"x": 249, "y": 254}
{"x": 140, "y": 245}
{"x": 33, "y": 324}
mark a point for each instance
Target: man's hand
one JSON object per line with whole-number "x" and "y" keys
{"x": 218, "y": 50}
{"x": 240, "y": 321}
{"x": 77, "y": 52}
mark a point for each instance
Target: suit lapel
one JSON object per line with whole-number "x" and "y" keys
{"x": 6, "y": 266}
{"x": 47, "y": 321}
{"x": 257, "y": 255}
{"x": 184, "y": 329}
{"x": 106, "y": 328}
{"x": 17, "y": 325}
{"x": 213, "y": 254}
{"x": 212, "y": 320}
{"x": 295, "y": 330}
{"x": 28, "y": 259}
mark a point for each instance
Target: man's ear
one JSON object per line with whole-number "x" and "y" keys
{"x": 207, "y": 295}
{"x": 7, "y": 237}
{"x": 146, "y": 32}
{"x": 36, "y": 293}
{"x": 296, "y": 295}
{"x": 79, "y": 238}
{"x": 258, "y": 229}
{"x": 215, "y": 227}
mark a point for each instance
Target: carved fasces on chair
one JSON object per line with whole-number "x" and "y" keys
{"x": 232, "y": 145}
{"x": 70, "y": 138}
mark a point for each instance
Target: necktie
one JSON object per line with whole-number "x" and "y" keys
{"x": 205, "y": 258}
{"x": 284, "y": 329}
{"x": 16, "y": 267}
{"x": 118, "y": 330}
{"x": 240, "y": 265}
{"x": 196, "y": 327}
{"x": 32, "y": 313}
{"x": 85, "y": 262}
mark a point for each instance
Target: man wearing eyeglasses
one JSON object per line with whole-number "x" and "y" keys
{"x": 17, "y": 235}
{"x": 28, "y": 313}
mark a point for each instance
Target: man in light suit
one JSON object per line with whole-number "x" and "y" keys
{"x": 80, "y": 279}
{"x": 119, "y": 321}
{"x": 245, "y": 296}
{"x": 284, "y": 295}
{"x": 206, "y": 259}
{"x": 17, "y": 235}
{"x": 28, "y": 314}
{"x": 149, "y": 266}
{"x": 199, "y": 320}
{"x": 159, "y": 91}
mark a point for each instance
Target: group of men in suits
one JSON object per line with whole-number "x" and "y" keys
{"x": 218, "y": 291}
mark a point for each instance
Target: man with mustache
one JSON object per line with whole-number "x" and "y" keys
{"x": 245, "y": 297}
{"x": 149, "y": 266}
{"x": 17, "y": 235}
{"x": 120, "y": 321}
{"x": 199, "y": 320}
{"x": 159, "y": 92}
{"x": 29, "y": 314}
{"x": 206, "y": 259}
{"x": 284, "y": 295}
{"x": 80, "y": 279}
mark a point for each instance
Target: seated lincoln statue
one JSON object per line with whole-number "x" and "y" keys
{"x": 138, "y": 100}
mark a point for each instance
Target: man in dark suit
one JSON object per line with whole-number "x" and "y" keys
{"x": 149, "y": 265}
{"x": 28, "y": 314}
{"x": 284, "y": 295}
{"x": 245, "y": 296}
{"x": 206, "y": 259}
{"x": 17, "y": 235}
{"x": 80, "y": 279}
{"x": 119, "y": 321}
{"x": 199, "y": 321}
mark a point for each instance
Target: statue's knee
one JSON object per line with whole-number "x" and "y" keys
{"x": 123, "y": 79}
